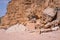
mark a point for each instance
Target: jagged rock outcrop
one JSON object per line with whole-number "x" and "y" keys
{"x": 28, "y": 12}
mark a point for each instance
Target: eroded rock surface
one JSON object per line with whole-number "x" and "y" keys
{"x": 34, "y": 14}
{"x": 16, "y": 28}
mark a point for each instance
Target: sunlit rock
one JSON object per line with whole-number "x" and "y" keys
{"x": 49, "y": 11}
{"x": 16, "y": 28}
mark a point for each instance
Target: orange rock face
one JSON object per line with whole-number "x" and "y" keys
{"x": 21, "y": 11}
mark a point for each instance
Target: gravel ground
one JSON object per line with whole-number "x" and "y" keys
{"x": 55, "y": 35}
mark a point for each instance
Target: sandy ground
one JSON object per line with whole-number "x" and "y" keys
{"x": 55, "y": 35}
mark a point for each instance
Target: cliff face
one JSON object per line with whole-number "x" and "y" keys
{"x": 25, "y": 11}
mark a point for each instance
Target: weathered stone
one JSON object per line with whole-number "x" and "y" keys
{"x": 58, "y": 15}
{"x": 30, "y": 11}
{"x": 42, "y": 30}
{"x": 55, "y": 28}
{"x": 16, "y": 28}
{"x": 45, "y": 30}
{"x": 49, "y": 11}
{"x": 52, "y": 24}
{"x": 30, "y": 26}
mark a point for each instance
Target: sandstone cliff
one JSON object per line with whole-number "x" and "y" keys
{"x": 30, "y": 11}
